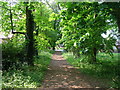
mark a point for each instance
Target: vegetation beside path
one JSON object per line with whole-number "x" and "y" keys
{"x": 27, "y": 76}
{"x": 105, "y": 68}
{"x": 83, "y": 28}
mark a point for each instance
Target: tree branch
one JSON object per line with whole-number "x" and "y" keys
{"x": 59, "y": 6}
{"x": 50, "y": 5}
{"x": 12, "y": 25}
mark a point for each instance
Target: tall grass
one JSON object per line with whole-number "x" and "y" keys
{"x": 106, "y": 66}
{"x": 27, "y": 76}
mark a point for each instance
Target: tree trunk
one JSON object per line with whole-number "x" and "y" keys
{"x": 36, "y": 42}
{"x": 30, "y": 40}
{"x": 95, "y": 53}
{"x": 115, "y": 11}
{"x": 118, "y": 23}
{"x": 76, "y": 52}
{"x": 12, "y": 27}
{"x": 117, "y": 15}
{"x": 53, "y": 47}
{"x": 93, "y": 56}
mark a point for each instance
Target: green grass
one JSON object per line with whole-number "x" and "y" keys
{"x": 106, "y": 66}
{"x": 27, "y": 76}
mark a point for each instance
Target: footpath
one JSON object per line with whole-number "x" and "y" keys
{"x": 62, "y": 75}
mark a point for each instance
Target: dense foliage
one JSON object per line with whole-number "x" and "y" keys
{"x": 23, "y": 61}
{"x": 82, "y": 26}
{"x": 27, "y": 76}
{"x": 40, "y": 26}
{"x": 15, "y": 20}
{"x": 13, "y": 53}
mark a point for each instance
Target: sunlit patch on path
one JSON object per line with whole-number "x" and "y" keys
{"x": 62, "y": 75}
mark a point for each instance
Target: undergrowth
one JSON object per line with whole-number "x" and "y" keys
{"x": 0, "y": 79}
{"x": 27, "y": 76}
{"x": 106, "y": 66}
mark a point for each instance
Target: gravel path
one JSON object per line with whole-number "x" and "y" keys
{"x": 62, "y": 75}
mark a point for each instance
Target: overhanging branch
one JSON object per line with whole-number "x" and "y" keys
{"x": 13, "y": 27}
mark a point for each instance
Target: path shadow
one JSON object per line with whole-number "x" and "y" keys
{"x": 62, "y": 75}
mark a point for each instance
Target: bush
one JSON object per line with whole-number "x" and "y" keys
{"x": 13, "y": 54}
{"x": 27, "y": 76}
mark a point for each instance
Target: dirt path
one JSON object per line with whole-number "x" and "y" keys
{"x": 62, "y": 75}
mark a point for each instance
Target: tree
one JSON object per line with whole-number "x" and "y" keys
{"x": 29, "y": 31}
{"x": 55, "y": 8}
{"x": 47, "y": 29}
{"x": 29, "y": 23}
{"x": 114, "y": 9}
{"x": 13, "y": 48}
{"x": 83, "y": 24}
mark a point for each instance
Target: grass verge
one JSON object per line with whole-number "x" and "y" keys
{"x": 106, "y": 66}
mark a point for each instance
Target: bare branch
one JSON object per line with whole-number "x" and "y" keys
{"x": 50, "y": 5}
{"x": 59, "y": 6}
{"x": 12, "y": 25}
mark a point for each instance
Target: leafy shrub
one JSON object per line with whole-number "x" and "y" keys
{"x": 12, "y": 53}
{"x": 27, "y": 76}
{"x": 15, "y": 79}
